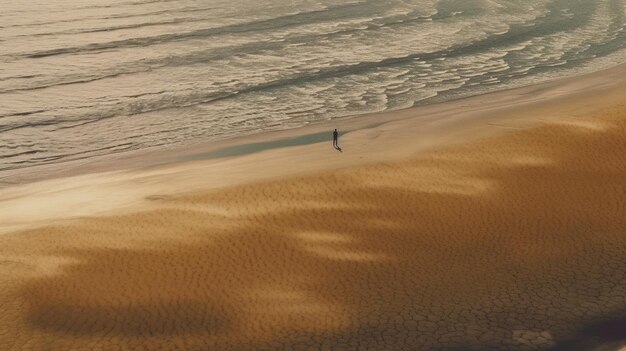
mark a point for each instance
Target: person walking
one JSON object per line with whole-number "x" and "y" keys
{"x": 335, "y": 139}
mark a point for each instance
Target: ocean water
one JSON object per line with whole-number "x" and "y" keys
{"x": 83, "y": 79}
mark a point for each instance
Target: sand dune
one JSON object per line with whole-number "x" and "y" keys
{"x": 514, "y": 242}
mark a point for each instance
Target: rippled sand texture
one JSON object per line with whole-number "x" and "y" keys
{"x": 512, "y": 243}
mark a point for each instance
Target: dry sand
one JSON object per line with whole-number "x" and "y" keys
{"x": 512, "y": 241}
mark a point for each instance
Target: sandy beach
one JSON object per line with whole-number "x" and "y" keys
{"x": 496, "y": 222}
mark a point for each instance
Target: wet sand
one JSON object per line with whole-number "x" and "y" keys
{"x": 505, "y": 236}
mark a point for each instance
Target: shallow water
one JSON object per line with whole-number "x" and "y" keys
{"x": 82, "y": 79}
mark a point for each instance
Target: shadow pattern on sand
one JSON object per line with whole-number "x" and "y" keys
{"x": 608, "y": 334}
{"x": 378, "y": 257}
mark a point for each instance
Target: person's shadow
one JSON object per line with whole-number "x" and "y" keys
{"x": 338, "y": 149}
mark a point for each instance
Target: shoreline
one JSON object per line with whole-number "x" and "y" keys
{"x": 533, "y": 94}
{"x": 368, "y": 139}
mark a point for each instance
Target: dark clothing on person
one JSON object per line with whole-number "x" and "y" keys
{"x": 335, "y": 139}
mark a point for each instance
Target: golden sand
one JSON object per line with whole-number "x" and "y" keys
{"x": 512, "y": 242}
